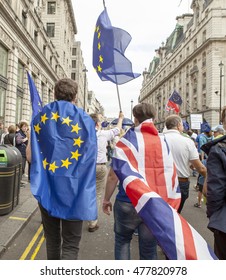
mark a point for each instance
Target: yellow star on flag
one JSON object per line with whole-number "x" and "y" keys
{"x": 78, "y": 142}
{"x": 99, "y": 69}
{"x": 75, "y": 155}
{"x": 37, "y": 128}
{"x": 66, "y": 121}
{"x": 99, "y": 46}
{"x": 44, "y": 118}
{"x": 44, "y": 163}
{"x": 66, "y": 163}
{"x": 53, "y": 166}
{"x": 75, "y": 128}
{"x": 55, "y": 116}
{"x": 98, "y": 35}
{"x": 101, "y": 59}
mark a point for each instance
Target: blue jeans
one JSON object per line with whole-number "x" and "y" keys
{"x": 126, "y": 221}
{"x": 184, "y": 189}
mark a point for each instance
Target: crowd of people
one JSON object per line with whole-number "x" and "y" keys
{"x": 17, "y": 136}
{"x": 194, "y": 154}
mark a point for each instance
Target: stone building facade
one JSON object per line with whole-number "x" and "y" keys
{"x": 192, "y": 62}
{"x": 37, "y": 36}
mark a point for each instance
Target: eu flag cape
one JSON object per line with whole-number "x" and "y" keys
{"x": 144, "y": 165}
{"x": 63, "y": 164}
{"x": 109, "y": 45}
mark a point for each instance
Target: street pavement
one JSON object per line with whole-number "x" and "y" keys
{"x": 99, "y": 244}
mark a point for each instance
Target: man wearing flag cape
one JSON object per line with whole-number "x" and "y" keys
{"x": 148, "y": 186}
{"x": 63, "y": 147}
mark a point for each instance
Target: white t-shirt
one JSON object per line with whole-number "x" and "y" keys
{"x": 103, "y": 136}
{"x": 183, "y": 150}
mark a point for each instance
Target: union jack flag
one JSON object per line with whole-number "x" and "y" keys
{"x": 174, "y": 102}
{"x": 144, "y": 164}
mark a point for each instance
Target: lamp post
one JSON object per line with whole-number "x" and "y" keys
{"x": 131, "y": 109}
{"x": 84, "y": 93}
{"x": 221, "y": 65}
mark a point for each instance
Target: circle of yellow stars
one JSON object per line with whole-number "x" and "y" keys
{"x": 52, "y": 166}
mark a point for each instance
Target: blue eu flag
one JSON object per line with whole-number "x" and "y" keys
{"x": 109, "y": 45}
{"x": 63, "y": 166}
{"x": 36, "y": 102}
{"x": 176, "y": 98}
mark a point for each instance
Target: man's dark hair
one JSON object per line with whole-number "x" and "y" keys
{"x": 66, "y": 89}
{"x": 144, "y": 111}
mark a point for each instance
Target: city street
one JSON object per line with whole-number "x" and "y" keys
{"x": 99, "y": 245}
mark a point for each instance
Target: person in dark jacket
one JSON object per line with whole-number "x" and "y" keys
{"x": 22, "y": 141}
{"x": 10, "y": 137}
{"x": 216, "y": 190}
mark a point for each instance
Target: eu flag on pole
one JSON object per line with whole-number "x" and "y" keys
{"x": 36, "y": 102}
{"x": 148, "y": 175}
{"x": 64, "y": 148}
{"x": 176, "y": 98}
{"x": 174, "y": 102}
{"x": 109, "y": 45}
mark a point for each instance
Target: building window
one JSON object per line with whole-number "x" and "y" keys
{"x": 24, "y": 18}
{"x": 74, "y": 51}
{"x": 50, "y": 29}
{"x": 204, "y": 81}
{"x": 42, "y": 93}
{"x": 204, "y": 59}
{"x": 204, "y": 36}
{"x": 195, "y": 45}
{"x": 3, "y": 61}
{"x": 19, "y": 102}
{"x": 73, "y": 76}
{"x": 49, "y": 96}
{"x": 20, "y": 75}
{"x": 20, "y": 84}
{"x": 187, "y": 51}
{"x": 51, "y": 7}
{"x": 73, "y": 63}
{"x": 36, "y": 36}
{"x": 2, "y": 102}
{"x": 44, "y": 50}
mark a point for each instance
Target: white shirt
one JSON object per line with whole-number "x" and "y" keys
{"x": 103, "y": 136}
{"x": 183, "y": 150}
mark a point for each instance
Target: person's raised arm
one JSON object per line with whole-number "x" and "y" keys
{"x": 120, "y": 119}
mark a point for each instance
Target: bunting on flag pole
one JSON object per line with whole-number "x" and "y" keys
{"x": 148, "y": 175}
{"x": 174, "y": 102}
{"x": 36, "y": 101}
{"x": 109, "y": 45}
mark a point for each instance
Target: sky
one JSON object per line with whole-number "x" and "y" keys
{"x": 149, "y": 23}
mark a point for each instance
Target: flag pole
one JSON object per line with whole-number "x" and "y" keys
{"x": 104, "y": 4}
{"x": 119, "y": 102}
